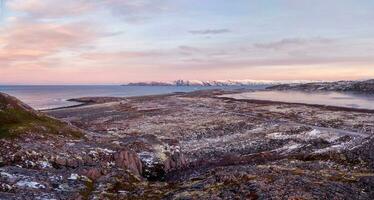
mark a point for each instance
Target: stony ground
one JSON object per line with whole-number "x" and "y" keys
{"x": 195, "y": 146}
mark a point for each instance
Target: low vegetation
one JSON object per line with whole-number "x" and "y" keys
{"x": 17, "y": 118}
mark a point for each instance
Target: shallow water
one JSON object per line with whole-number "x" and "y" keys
{"x": 349, "y": 100}
{"x": 52, "y": 96}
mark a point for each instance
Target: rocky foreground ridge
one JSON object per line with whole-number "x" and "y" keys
{"x": 44, "y": 158}
{"x": 366, "y": 87}
{"x": 186, "y": 146}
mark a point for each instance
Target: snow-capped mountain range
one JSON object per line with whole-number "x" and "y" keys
{"x": 217, "y": 83}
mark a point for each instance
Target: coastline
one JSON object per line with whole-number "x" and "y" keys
{"x": 86, "y": 101}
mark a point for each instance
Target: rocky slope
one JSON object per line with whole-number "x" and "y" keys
{"x": 44, "y": 158}
{"x": 194, "y": 146}
{"x": 366, "y": 87}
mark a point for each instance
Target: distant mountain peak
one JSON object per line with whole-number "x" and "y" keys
{"x": 215, "y": 82}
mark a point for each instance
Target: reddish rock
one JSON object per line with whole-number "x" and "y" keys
{"x": 87, "y": 160}
{"x": 73, "y": 163}
{"x": 176, "y": 161}
{"x": 92, "y": 173}
{"x": 65, "y": 162}
{"x": 60, "y": 161}
{"x": 129, "y": 160}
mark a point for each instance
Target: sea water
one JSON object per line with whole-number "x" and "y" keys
{"x": 54, "y": 96}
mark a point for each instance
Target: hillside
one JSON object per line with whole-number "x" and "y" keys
{"x": 44, "y": 158}
{"x": 341, "y": 86}
{"x": 17, "y": 118}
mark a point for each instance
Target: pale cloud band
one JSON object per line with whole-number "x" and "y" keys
{"x": 209, "y": 31}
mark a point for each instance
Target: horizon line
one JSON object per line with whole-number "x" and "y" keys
{"x": 168, "y": 81}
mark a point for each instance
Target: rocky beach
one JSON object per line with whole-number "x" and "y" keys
{"x": 195, "y": 145}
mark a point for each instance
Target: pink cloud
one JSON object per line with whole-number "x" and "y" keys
{"x": 121, "y": 55}
{"x": 25, "y": 40}
{"x": 52, "y": 8}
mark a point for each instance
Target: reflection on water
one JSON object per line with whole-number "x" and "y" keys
{"x": 349, "y": 100}
{"x": 52, "y": 96}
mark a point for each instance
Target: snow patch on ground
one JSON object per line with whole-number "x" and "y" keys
{"x": 336, "y": 147}
{"x": 30, "y": 184}
{"x": 307, "y": 136}
{"x": 147, "y": 157}
{"x": 289, "y": 147}
{"x": 195, "y": 145}
{"x": 73, "y": 177}
{"x": 70, "y": 144}
{"x": 44, "y": 164}
{"x": 106, "y": 151}
{"x": 278, "y": 136}
{"x": 7, "y": 175}
{"x": 314, "y": 132}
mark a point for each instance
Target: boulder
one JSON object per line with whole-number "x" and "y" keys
{"x": 129, "y": 160}
{"x": 175, "y": 161}
{"x": 92, "y": 173}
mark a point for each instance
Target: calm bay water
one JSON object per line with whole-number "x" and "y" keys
{"x": 349, "y": 100}
{"x": 48, "y": 96}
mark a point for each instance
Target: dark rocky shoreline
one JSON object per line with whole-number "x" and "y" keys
{"x": 188, "y": 146}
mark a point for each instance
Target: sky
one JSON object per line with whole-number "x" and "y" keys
{"x": 120, "y": 41}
